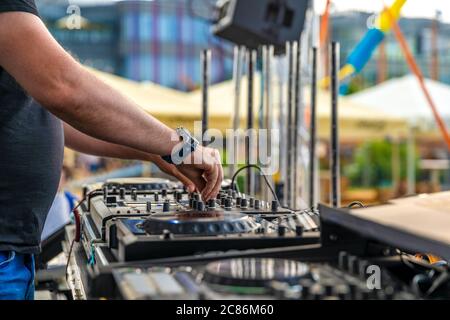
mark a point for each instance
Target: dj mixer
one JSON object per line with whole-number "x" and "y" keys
{"x": 150, "y": 239}
{"x": 138, "y": 224}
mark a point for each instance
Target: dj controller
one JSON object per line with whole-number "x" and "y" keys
{"x": 150, "y": 239}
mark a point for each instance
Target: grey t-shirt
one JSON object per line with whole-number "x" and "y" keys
{"x": 31, "y": 153}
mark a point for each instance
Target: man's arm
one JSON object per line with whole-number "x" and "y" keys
{"x": 30, "y": 54}
{"x": 81, "y": 142}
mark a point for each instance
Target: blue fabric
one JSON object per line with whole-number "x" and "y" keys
{"x": 16, "y": 276}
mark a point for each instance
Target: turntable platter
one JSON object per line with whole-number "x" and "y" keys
{"x": 199, "y": 223}
{"x": 254, "y": 272}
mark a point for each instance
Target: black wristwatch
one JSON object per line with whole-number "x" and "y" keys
{"x": 181, "y": 151}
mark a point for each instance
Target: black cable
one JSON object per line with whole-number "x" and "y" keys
{"x": 78, "y": 223}
{"x": 356, "y": 203}
{"x": 248, "y": 166}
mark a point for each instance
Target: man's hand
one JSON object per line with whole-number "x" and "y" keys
{"x": 203, "y": 167}
{"x": 172, "y": 170}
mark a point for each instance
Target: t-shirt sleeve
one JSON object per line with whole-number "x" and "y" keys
{"x": 18, "y": 5}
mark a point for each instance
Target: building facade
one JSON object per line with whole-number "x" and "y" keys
{"x": 158, "y": 41}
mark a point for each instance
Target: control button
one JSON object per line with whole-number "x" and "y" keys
{"x": 211, "y": 203}
{"x": 274, "y": 205}
{"x": 244, "y": 203}
{"x": 228, "y": 203}
{"x": 134, "y": 193}
{"x": 166, "y": 206}
{"x": 200, "y": 205}
{"x": 281, "y": 231}
{"x": 122, "y": 193}
{"x": 167, "y": 235}
{"x": 257, "y": 204}
{"x": 306, "y": 285}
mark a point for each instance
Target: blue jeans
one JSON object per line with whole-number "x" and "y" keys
{"x": 16, "y": 276}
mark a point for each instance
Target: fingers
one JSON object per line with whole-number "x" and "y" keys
{"x": 214, "y": 177}
{"x": 211, "y": 176}
{"x": 190, "y": 186}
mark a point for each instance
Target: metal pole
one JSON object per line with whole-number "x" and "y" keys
{"x": 206, "y": 62}
{"x": 313, "y": 132}
{"x": 297, "y": 114}
{"x": 335, "y": 177}
{"x": 288, "y": 182}
{"x": 250, "y": 118}
{"x": 239, "y": 55}
{"x": 267, "y": 66}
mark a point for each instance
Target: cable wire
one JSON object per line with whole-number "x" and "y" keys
{"x": 249, "y": 166}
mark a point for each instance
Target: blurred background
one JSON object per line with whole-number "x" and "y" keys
{"x": 150, "y": 50}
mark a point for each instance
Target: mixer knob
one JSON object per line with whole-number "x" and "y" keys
{"x": 200, "y": 205}
{"x": 211, "y": 203}
{"x": 196, "y": 196}
{"x": 167, "y": 235}
{"x": 251, "y": 202}
{"x": 257, "y": 204}
{"x": 230, "y": 192}
{"x": 105, "y": 192}
{"x": 328, "y": 286}
{"x": 179, "y": 196}
{"x": 299, "y": 231}
{"x": 281, "y": 231}
{"x": 194, "y": 204}
{"x": 274, "y": 205}
{"x": 148, "y": 206}
{"x": 343, "y": 260}
{"x": 164, "y": 192}
{"x": 244, "y": 203}
{"x": 306, "y": 285}
{"x": 156, "y": 196}
{"x": 175, "y": 194}
{"x": 352, "y": 264}
{"x": 166, "y": 206}
{"x": 234, "y": 194}
{"x": 238, "y": 201}
{"x": 222, "y": 201}
{"x": 122, "y": 193}
{"x": 228, "y": 203}
{"x": 134, "y": 193}
{"x": 114, "y": 190}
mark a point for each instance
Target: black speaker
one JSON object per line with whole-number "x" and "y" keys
{"x": 260, "y": 22}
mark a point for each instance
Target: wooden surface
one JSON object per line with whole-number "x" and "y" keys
{"x": 424, "y": 215}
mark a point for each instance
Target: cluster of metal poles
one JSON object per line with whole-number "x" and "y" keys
{"x": 291, "y": 119}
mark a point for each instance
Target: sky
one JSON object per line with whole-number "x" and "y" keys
{"x": 414, "y": 8}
